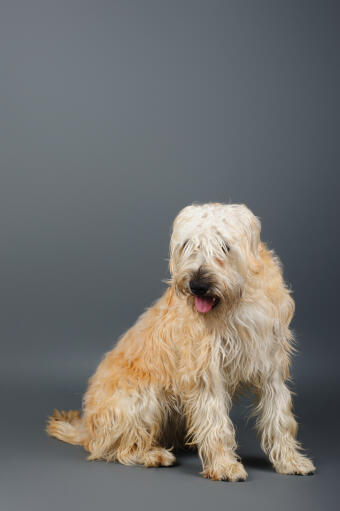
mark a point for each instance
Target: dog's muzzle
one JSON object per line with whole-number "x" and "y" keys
{"x": 204, "y": 301}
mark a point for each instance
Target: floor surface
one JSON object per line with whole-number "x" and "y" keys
{"x": 41, "y": 473}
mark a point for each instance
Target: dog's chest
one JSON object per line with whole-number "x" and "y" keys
{"x": 241, "y": 361}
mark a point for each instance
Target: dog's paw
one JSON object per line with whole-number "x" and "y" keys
{"x": 297, "y": 464}
{"x": 159, "y": 457}
{"x": 233, "y": 472}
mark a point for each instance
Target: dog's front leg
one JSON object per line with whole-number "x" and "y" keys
{"x": 278, "y": 427}
{"x": 211, "y": 430}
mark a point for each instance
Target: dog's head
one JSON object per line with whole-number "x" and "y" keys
{"x": 212, "y": 250}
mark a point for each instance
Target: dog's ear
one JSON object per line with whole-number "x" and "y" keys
{"x": 173, "y": 253}
{"x": 252, "y": 227}
{"x": 171, "y": 258}
{"x": 175, "y": 240}
{"x": 255, "y": 233}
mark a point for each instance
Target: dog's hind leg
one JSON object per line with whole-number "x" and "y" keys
{"x": 128, "y": 428}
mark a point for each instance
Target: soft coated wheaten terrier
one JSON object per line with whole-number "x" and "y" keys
{"x": 222, "y": 324}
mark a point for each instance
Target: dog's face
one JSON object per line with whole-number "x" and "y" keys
{"x": 213, "y": 247}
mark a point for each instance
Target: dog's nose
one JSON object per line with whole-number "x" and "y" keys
{"x": 199, "y": 287}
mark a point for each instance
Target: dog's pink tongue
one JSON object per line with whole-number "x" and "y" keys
{"x": 203, "y": 304}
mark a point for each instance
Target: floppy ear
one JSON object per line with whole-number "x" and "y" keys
{"x": 255, "y": 234}
{"x": 171, "y": 259}
{"x": 252, "y": 227}
{"x": 173, "y": 252}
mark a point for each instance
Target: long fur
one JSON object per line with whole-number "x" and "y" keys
{"x": 174, "y": 373}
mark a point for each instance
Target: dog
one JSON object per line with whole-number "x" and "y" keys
{"x": 221, "y": 325}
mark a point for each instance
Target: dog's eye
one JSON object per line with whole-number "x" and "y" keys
{"x": 225, "y": 248}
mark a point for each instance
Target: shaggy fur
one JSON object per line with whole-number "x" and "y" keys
{"x": 172, "y": 375}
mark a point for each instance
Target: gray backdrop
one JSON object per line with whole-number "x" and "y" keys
{"x": 113, "y": 116}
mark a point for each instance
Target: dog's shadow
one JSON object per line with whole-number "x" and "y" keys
{"x": 188, "y": 462}
{"x": 257, "y": 463}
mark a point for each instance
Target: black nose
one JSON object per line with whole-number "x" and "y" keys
{"x": 199, "y": 287}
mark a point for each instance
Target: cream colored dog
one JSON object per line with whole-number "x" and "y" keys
{"x": 222, "y": 324}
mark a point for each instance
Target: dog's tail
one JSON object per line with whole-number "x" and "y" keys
{"x": 68, "y": 427}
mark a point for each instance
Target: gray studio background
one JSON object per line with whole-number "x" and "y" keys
{"x": 113, "y": 116}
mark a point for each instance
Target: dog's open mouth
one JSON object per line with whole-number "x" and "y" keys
{"x": 206, "y": 303}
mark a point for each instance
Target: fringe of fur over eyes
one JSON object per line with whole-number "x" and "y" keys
{"x": 171, "y": 377}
